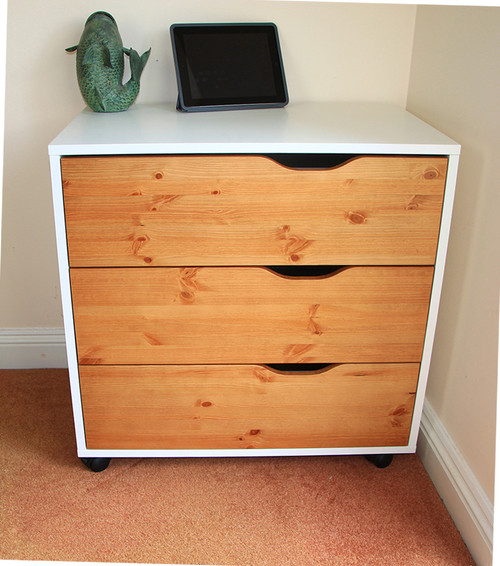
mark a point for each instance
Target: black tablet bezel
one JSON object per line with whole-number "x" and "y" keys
{"x": 188, "y": 103}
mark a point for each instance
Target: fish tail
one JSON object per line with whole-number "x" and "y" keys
{"x": 137, "y": 62}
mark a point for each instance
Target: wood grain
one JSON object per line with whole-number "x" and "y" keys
{"x": 249, "y": 315}
{"x": 250, "y": 210}
{"x": 224, "y": 407}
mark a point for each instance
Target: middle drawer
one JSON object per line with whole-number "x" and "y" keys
{"x": 249, "y": 315}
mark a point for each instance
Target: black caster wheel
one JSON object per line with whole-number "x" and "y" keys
{"x": 96, "y": 464}
{"x": 380, "y": 460}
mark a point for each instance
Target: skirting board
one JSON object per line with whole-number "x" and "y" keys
{"x": 458, "y": 487}
{"x": 28, "y": 348}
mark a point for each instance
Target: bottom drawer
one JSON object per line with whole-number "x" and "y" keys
{"x": 247, "y": 406}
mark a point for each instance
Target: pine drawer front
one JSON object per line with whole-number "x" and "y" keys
{"x": 215, "y": 315}
{"x": 247, "y": 406}
{"x": 250, "y": 210}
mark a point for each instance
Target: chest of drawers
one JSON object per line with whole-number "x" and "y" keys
{"x": 250, "y": 283}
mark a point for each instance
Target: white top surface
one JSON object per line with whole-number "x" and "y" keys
{"x": 297, "y": 128}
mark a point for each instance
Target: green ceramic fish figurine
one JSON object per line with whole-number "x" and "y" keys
{"x": 100, "y": 64}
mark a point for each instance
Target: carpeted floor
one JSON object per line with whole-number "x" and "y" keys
{"x": 237, "y": 511}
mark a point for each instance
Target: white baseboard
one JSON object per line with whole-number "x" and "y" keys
{"x": 26, "y": 348}
{"x": 458, "y": 487}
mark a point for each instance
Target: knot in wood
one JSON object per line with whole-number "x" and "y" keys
{"x": 399, "y": 411}
{"x": 263, "y": 376}
{"x": 356, "y": 217}
{"x": 415, "y": 203}
{"x": 431, "y": 174}
{"x": 187, "y": 297}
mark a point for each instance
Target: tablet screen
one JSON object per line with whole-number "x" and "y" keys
{"x": 222, "y": 66}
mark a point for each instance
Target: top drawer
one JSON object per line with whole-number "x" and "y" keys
{"x": 172, "y": 210}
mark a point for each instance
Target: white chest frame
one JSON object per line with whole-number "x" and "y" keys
{"x": 346, "y": 128}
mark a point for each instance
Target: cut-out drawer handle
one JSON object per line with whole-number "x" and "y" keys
{"x": 312, "y": 160}
{"x": 305, "y": 271}
{"x": 299, "y": 368}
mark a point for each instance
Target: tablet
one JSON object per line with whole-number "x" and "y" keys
{"x": 228, "y": 66}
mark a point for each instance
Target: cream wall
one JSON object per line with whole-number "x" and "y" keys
{"x": 455, "y": 86}
{"x": 331, "y": 51}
